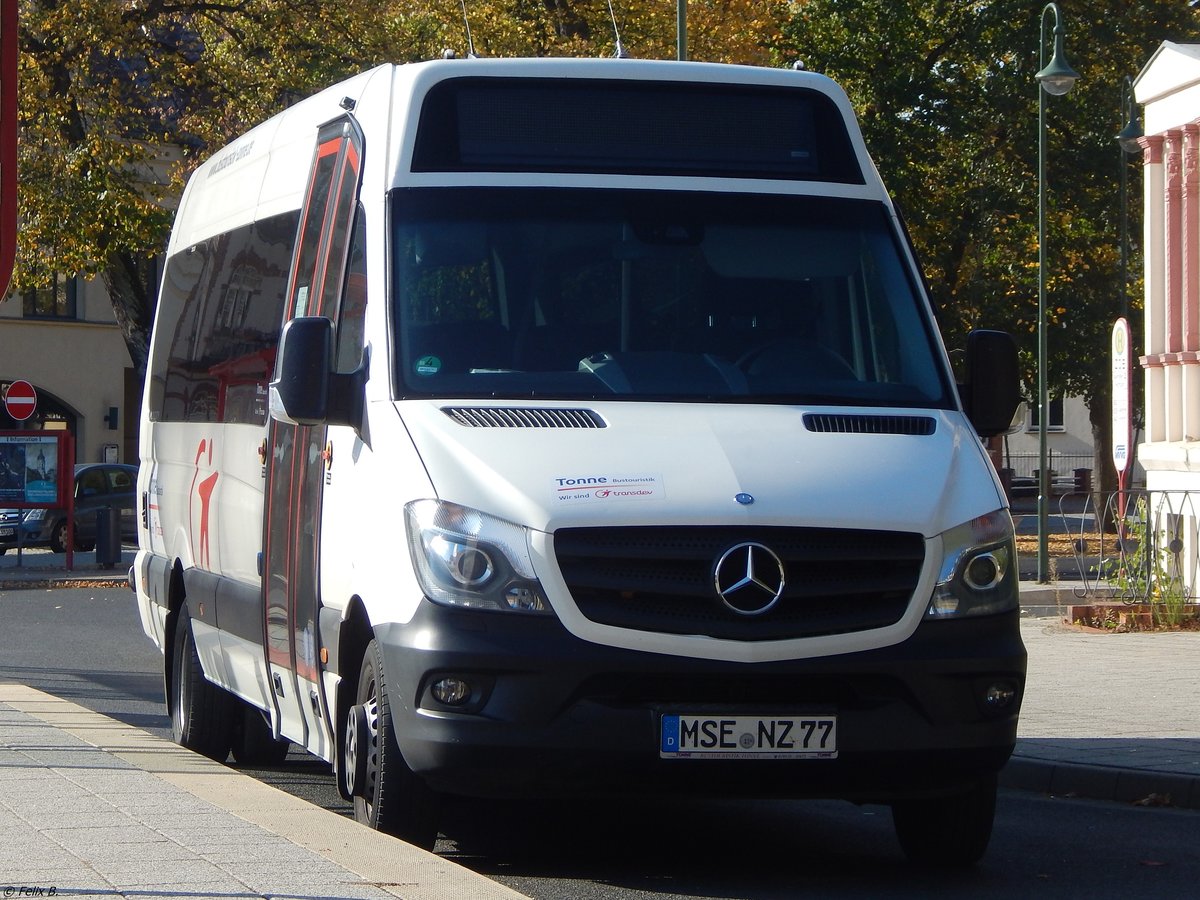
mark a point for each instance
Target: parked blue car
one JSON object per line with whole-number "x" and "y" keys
{"x": 97, "y": 486}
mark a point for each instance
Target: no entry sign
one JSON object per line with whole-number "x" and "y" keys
{"x": 21, "y": 400}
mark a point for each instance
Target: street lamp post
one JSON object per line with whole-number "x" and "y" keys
{"x": 1129, "y": 138}
{"x": 681, "y": 29}
{"x": 1055, "y": 78}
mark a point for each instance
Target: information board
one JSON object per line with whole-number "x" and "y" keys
{"x": 30, "y": 467}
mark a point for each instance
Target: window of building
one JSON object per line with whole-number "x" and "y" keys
{"x": 56, "y": 300}
{"x": 1056, "y": 422}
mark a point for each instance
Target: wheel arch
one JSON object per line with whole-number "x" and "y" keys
{"x": 354, "y": 635}
{"x": 175, "y": 594}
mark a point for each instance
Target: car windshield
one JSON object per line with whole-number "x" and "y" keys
{"x": 564, "y": 293}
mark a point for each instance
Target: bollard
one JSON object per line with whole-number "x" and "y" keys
{"x": 108, "y": 537}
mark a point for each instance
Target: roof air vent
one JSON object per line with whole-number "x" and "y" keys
{"x": 869, "y": 424}
{"x": 523, "y": 417}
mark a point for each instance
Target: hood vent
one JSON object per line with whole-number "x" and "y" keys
{"x": 861, "y": 424}
{"x": 523, "y": 417}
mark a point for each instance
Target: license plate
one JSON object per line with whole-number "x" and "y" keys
{"x": 748, "y": 737}
{"x": 7, "y": 532}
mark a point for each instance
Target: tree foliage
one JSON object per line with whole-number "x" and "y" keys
{"x": 949, "y": 107}
{"x": 120, "y": 99}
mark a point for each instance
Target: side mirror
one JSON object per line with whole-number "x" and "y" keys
{"x": 306, "y": 390}
{"x": 300, "y": 391}
{"x": 992, "y": 391}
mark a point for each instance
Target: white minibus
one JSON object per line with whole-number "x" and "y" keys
{"x": 542, "y": 427}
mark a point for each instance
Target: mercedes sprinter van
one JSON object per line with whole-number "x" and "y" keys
{"x": 521, "y": 427}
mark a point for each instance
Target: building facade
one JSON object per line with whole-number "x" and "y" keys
{"x": 1168, "y": 88}
{"x": 66, "y": 343}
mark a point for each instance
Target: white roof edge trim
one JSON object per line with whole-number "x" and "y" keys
{"x": 1182, "y": 51}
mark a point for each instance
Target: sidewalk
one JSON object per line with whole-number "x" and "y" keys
{"x": 38, "y": 565}
{"x": 1106, "y": 716}
{"x": 91, "y": 806}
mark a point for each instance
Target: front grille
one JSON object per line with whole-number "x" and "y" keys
{"x": 661, "y": 579}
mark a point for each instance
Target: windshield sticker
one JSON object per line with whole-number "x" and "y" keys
{"x": 429, "y": 365}
{"x": 608, "y": 488}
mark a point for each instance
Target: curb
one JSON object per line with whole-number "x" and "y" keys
{"x": 1117, "y": 785}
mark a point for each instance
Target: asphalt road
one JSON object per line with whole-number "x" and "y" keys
{"x": 87, "y": 646}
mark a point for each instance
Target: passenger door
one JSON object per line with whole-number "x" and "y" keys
{"x": 296, "y": 456}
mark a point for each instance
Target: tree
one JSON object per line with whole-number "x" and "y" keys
{"x": 120, "y": 100}
{"x": 949, "y": 111}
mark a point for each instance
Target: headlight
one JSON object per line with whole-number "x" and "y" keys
{"x": 979, "y": 569}
{"x": 33, "y": 515}
{"x": 467, "y": 558}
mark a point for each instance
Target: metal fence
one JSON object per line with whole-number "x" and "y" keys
{"x": 1134, "y": 547}
{"x": 1062, "y": 465}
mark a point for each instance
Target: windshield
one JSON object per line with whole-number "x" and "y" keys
{"x": 516, "y": 293}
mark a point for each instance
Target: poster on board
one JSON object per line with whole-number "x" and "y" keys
{"x": 29, "y": 468}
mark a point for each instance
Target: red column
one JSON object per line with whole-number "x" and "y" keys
{"x": 8, "y": 141}
{"x": 1173, "y": 240}
{"x": 1189, "y": 242}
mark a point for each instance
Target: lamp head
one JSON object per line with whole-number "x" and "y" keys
{"x": 1057, "y": 78}
{"x": 1130, "y": 136}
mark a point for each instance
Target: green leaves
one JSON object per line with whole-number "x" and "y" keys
{"x": 949, "y": 110}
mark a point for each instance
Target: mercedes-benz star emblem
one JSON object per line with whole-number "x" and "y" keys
{"x": 749, "y": 578}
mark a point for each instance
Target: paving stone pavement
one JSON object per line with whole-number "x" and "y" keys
{"x": 90, "y": 807}
{"x": 1108, "y": 716}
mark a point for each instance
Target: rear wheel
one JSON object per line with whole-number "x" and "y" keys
{"x": 387, "y": 795}
{"x": 947, "y": 832}
{"x": 201, "y": 712}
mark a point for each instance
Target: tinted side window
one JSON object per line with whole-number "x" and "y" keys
{"x": 352, "y": 313}
{"x": 91, "y": 484}
{"x": 219, "y": 316}
{"x": 119, "y": 480}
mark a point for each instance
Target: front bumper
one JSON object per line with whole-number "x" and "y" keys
{"x": 35, "y": 534}
{"x": 551, "y": 714}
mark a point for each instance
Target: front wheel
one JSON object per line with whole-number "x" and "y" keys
{"x": 947, "y": 832}
{"x": 200, "y": 711}
{"x": 388, "y": 796}
{"x": 58, "y": 537}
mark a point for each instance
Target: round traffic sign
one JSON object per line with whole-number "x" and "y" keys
{"x": 21, "y": 400}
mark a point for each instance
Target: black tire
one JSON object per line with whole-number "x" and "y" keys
{"x": 947, "y": 832}
{"x": 388, "y": 796}
{"x": 252, "y": 742}
{"x": 200, "y": 711}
